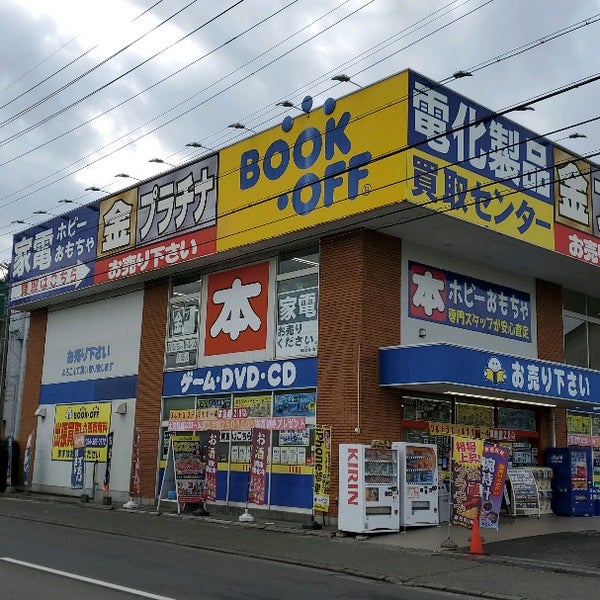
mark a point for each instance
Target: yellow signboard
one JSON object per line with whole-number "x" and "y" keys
{"x": 91, "y": 419}
{"x": 459, "y": 193}
{"x": 342, "y": 159}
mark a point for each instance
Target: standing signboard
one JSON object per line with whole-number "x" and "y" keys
{"x": 212, "y": 464}
{"x": 493, "y": 477}
{"x": 466, "y": 480}
{"x": 259, "y": 454}
{"x": 524, "y": 492}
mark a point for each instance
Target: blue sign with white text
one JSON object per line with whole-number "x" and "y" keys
{"x": 465, "y": 134}
{"x": 472, "y": 368}
{"x": 54, "y": 257}
{"x": 248, "y": 377}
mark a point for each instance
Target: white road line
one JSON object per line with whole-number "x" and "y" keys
{"x": 106, "y": 584}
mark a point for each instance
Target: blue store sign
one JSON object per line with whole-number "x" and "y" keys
{"x": 430, "y": 364}
{"x": 248, "y": 377}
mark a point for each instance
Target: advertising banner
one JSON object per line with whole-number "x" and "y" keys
{"x": 93, "y": 420}
{"x": 78, "y": 464}
{"x": 189, "y": 470}
{"x": 27, "y": 460}
{"x": 212, "y": 463}
{"x": 135, "y": 483}
{"x": 322, "y": 468}
{"x": 467, "y": 456}
{"x": 109, "y": 450}
{"x": 259, "y": 457}
{"x": 493, "y": 477}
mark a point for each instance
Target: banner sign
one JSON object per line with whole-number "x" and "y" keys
{"x": 189, "y": 470}
{"x": 27, "y": 460}
{"x": 501, "y": 435}
{"x": 135, "y": 483}
{"x": 259, "y": 456}
{"x": 460, "y": 301}
{"x": 466, "y": 480}
{"x": 109, "y": 450}
{"x": 78, "y": 463}
{"x": 322, "y": 468}
{"x": 212, "y": 462}
{"x": 583, "y": 440}
{"x": 493, "y": 477}
{"x": 280, "y": 423}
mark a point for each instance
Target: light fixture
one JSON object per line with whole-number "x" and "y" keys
{"x": 342, "y": 78}
{"x": 288, "y": 104}
{"x": 93, "y": 188}
{"x": 121, "y": 409}
{"x": 67, "y": 201}
{"x": 422, "y": 332}
{"x": 497, "y": 399}
{"x": 575, "y": 136}
{"x": 160, "y": 161}
{"x": 461, "y": 74}
{"x": 41, "y": 212}
{"x": 20, "y": 222}
{"x": 238, "y": 125}
{"x": 198, "y": 145}
{"x": 524, "y": 108}
{"x": 40, "y": 411}
{"x": 126, "y": 176}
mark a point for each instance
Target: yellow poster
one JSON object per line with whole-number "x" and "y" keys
{"x": 252, "y": 406}
{"x": 92, "y": 419}
{"x": 459, "y": 193}
{"x": 322, "y": 468}
{"x": 342, "y": 159}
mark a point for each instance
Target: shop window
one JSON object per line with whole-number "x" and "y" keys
{"x": 297, "y": 304}
{"x": 581, "y": 325}
{"x": 520, "y": 419}
{"x": 579, "y": 423}
{"x": 474, "y": 414}
{"x": 425, "y": 409}
{"x": 181, "y": 349}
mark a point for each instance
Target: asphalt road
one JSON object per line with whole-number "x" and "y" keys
{"x": 163, "y": 554}
{"x": 55, "y": 562}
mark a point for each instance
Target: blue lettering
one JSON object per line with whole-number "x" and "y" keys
{"x": 249, "y": 169}
{"x": 313, "y": 135}
{"x": 335, "y": 135}
{"x": 277, "y": 148}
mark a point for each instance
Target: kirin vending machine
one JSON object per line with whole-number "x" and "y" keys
{"x": 572, "y": 480}
{"x": 418, "y": 483}
{"x": 368, "y": 489}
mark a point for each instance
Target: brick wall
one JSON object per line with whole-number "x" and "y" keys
{"x": 34, "y": 363}
{"x": 150, "y": 375}
{"x": 551, "y": 347}
{"x": 359, "y": 311}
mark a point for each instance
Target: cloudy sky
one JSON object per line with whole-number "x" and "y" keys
{"x": 91, "y": 89}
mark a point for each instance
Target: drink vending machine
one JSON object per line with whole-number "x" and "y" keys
{"x": 418, "y": 482}
{"x": 368, "y": 489}
{"x": 572, "y": 480}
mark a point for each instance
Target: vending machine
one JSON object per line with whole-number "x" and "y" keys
{"x": 368, "y": 490}
{"x": 572, "y": 482}
{"x": 418, "y": 483}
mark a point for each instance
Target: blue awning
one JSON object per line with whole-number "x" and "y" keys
{"x": 448, "y": 368}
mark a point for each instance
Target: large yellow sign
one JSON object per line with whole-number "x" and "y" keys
{"x": 342, "y": 159}
{"x": 457, "y": 192}
{"x": 92, "y": 419}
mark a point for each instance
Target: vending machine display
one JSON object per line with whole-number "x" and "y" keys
{"x": 368, "y": 489}
{"x": 418, "y": 483}
{"x": 572, "y": 480}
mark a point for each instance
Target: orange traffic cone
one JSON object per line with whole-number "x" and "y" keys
{"x": 476, "y": 545}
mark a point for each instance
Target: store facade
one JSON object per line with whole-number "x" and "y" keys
{"x": 352, "y": 268}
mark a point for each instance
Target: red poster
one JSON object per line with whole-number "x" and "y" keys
{"x": 210, "y": 477}
{"x": 236, "y": 310}
{"x": 259, "y": 456}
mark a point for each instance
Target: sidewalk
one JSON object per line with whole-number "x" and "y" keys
{"x": 547, "y": 558}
